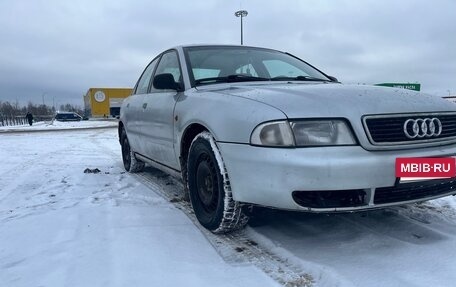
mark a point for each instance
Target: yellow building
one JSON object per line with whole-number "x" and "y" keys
{"x": 104, "y": 102}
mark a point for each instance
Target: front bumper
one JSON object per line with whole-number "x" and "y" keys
{"x": 269, "y": 176}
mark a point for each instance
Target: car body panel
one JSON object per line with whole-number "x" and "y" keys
{"x": 326, "y": 100}
{"x": 157, "y": 124}
{"x": 322, "y": 100}
{"x": 228, "y": 118}
{"x": 67, "y": 117}
{"x": 268, "y": 176}
{"x": 132, "y": 110}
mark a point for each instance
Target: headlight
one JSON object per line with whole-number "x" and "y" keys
{"x": 322, "y": 133}
{"x": 273, "y": 134}
{"x": 302, "y": 133}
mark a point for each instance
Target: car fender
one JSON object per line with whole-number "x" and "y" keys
{"x": 227, "y": 117}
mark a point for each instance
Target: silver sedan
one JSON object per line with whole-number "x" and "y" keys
{"x": 247, "y": 126}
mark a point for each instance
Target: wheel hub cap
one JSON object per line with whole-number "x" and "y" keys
{"x": 205, "y": 184}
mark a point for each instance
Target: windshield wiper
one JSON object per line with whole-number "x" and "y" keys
{"x": 298, "y": 78}
{"x": 230, "y": 79}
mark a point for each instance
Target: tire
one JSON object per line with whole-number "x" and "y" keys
{"x": 209, "y": 188}
{"x": 131, "y": 164}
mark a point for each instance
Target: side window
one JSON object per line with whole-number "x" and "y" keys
{"x": 143, "y": 83}
{"x": 169, "y": 63}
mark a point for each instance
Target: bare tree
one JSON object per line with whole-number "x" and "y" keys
{"x": 15, "y": 110}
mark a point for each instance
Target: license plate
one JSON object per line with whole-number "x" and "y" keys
{"x": 422, "y": 169}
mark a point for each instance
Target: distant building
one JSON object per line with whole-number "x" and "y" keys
{"x": 104, "y": 102}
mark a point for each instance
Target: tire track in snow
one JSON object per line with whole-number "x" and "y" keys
{"x": 235, "y": 248}
{"x": 103, "y": 147}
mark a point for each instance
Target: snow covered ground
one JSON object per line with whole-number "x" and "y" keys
{"x": 60, "y": 226}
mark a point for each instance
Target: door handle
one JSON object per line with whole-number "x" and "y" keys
{"x": 144, "y": 105}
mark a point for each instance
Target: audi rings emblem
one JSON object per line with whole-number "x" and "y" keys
{"x": 422, "y": 128}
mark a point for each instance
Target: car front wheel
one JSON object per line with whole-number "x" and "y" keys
{"x": 209, "y": 187}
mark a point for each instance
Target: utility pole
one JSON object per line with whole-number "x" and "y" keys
{"x": 242, "y": 14}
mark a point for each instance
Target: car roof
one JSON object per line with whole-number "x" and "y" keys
{"x": 221, "y": 45}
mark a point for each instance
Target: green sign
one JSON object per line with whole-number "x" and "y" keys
{"x": 408, "y": 86}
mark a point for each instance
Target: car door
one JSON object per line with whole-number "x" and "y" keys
{"x": 158, "y": 114}
{"x": 133, "y": 109}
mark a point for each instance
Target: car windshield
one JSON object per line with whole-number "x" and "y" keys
{"x": 208, "y": 65}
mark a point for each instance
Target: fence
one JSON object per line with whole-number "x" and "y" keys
{"x": 21, "y": 120}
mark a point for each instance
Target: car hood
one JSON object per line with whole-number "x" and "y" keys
{"x": 299, "y": 100}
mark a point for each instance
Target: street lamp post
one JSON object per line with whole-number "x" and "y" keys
{"x": 242, "y": 14}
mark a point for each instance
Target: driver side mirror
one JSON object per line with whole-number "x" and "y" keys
{"x": 165, "y": 82}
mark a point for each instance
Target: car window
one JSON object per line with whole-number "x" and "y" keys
{"x": 255, "y": 62}
{"x": 247, "y": 70}
{"x": 205, "y": 73}
{"x": 143, "y": 83}
{"x": 277, "y": 68}
{"x": 169, "y": 63}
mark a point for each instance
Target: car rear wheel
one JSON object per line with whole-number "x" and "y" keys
{"x": 131, "y": 164}
{"x": 209, "y": 187}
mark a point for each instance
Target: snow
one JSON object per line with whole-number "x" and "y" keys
{"x": 60, "y": 226}
{"x": 403, "y": 246}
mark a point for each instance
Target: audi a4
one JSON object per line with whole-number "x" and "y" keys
{"x": 245, "y": 126}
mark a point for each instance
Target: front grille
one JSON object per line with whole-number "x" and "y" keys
{"x": 330, "y": 198}
{"x": 389, "y": 129}
{"x": 414, "y": 190}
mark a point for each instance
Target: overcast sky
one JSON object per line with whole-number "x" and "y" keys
{"x": 55, "y": 49}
